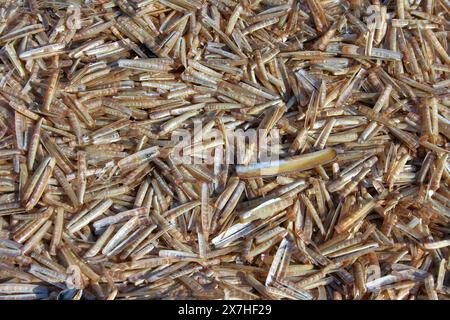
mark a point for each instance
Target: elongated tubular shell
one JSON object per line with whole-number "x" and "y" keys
{"x": 293, "y": 164}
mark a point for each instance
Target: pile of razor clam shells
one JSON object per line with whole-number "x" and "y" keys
{"x": 96, "y": 204}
